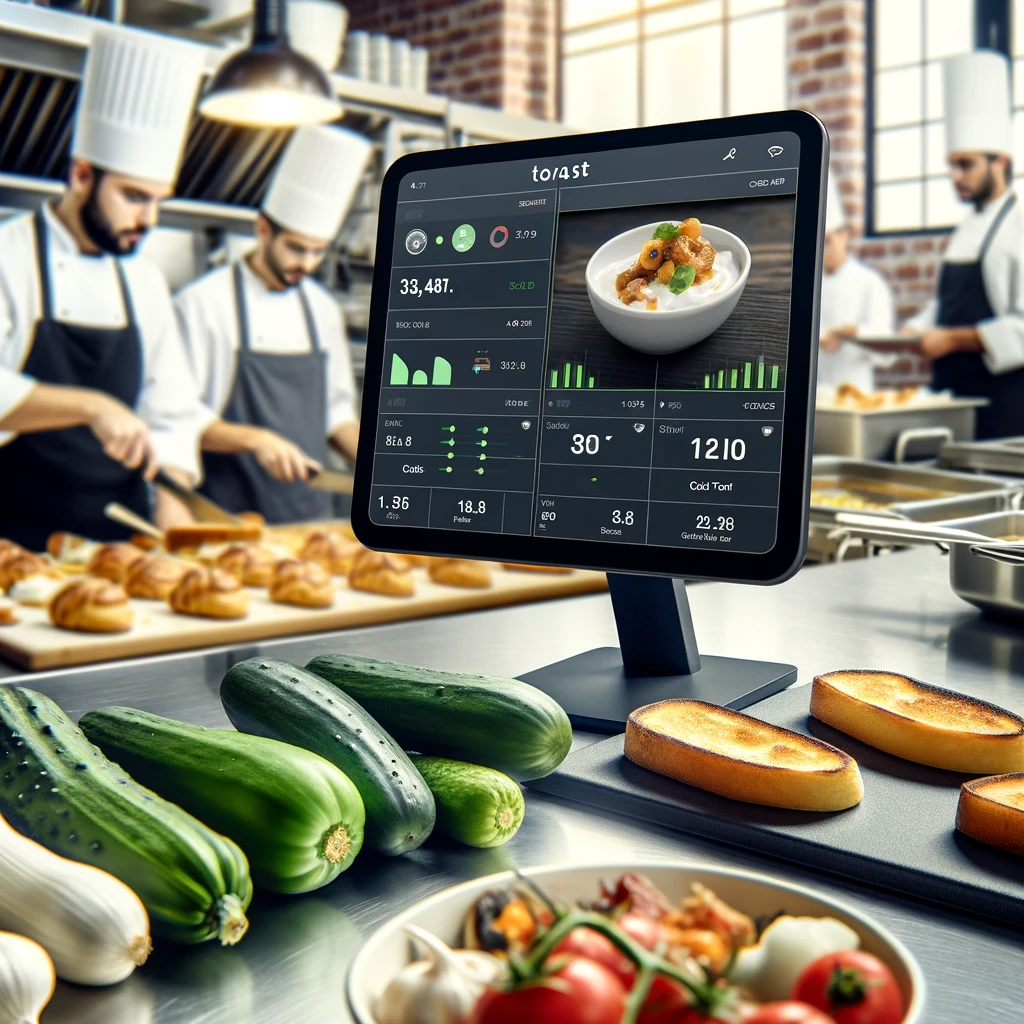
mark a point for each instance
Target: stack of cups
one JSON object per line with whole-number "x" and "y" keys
{"x": 401, "y": 63}
{"x": 380, "y": 59}
{"x": 420, "y": 69}
{"x": 357, "y": 55}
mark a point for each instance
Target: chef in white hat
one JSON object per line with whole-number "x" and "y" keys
{"x": 855, "y": 298}
{"x": 974, "y": 328}
{"x": 95, "y": 390}
{"x": 267, "y": 344}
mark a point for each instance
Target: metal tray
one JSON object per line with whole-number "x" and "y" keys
{"x": 991, "y": 586}
{"x": 967, "y": 494}
{"x": 1005, "y": 455}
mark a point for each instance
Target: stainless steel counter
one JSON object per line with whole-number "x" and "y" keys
{"x": 894, "y": 612}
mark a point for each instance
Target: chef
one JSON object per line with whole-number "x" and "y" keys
{"x": 974, "y": 328}
{"x": 95, "y": 390}
{"x": 854, "y": 298}
{"x": 267, "y": 344}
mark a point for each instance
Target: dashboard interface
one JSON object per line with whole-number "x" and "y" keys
{"x": 592, "y": 348}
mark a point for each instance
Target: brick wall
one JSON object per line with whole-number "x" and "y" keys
{"x": 499, "y": 53}
{"x": 827, "y": 76}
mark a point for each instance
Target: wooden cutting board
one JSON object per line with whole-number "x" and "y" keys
{"x": 34, "y": 643}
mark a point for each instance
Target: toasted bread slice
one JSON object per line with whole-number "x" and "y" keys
{"x": 920, "y": 722}
{"x": 195, "y": 534}
{"x": 992, "y": 811}
{"x": 740, "y": 757}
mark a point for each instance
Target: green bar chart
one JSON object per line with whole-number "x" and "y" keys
{"x": 748, "y": 376}
{"x": 572, "y": 375}
{"x": 441, "y": 374}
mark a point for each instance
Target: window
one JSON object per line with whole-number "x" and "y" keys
{"x": 640, "y": 62}
{"x": 909, "y": 180}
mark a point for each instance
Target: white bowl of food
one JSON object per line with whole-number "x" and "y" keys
{"x": 659, "y": 312}
{"x": 804, "y": 926}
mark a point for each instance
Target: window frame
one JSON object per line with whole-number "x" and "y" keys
{"x": 993, "y": 24}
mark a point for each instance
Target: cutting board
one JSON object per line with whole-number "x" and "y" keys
{"x": 34, "y": 643}
{"x": 900, "y": 836}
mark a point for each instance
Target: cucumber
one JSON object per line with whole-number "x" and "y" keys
{"x": 475, "y": 805}
{"x": 501, "y": 723}
{"x": 58, "y": 789}
{"x": 298, "y": 819}
{"x": 273, "y": 698}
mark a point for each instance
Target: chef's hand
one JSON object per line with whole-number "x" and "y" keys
{"x": 941, "y": 341}
{"x": 124, "y": 436}
{"x": 830, "y": 341}
{"x": 284, "y": 461}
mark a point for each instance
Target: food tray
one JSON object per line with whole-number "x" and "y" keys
{"x": 1003, "y": 456}
{"x": 900, "y": 837}
{"x": 35, "y": 644}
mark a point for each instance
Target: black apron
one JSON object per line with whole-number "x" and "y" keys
{"x": 283, "y": 393}
{"x": 61, "y": 479}
{"x": 963, "y": 302}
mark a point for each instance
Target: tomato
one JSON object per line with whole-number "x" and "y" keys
{"x": 579, "y": 991}
{"x": 789, "y": 1012}
{"x": 642, "y": 929}
{"x": 593, "y": 945}
{"x": 667, "y": 1003}
{"x": 852, "y": 987}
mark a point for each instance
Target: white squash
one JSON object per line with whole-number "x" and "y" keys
{"x": 26, "y": 979}
{"x": 93, "y": 926}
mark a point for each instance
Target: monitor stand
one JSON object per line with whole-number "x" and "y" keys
{"x": 657, "y": 658}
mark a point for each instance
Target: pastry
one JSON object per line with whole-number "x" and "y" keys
{"x": 460, "y": 572}
{"x": 336, "y": 554}
{"x": 381, "y": 573}
{"x": 992, "y": 811}
{"x": 920, "y": 722}
{"x": 252, "y": 519}
{"x": 18, "y": 565}
{"x": 516, "y": 566}
{"x": 7, "y": 615}
{"x": 737, "y": 756}
{"x": 307, "y": 584}
{"x": 212, "y": 593}
{"x": 92, "y": 605}
{"x": 196, "y": 534}
{"x": 154, "y": 577}
{"x": 36, "y": 590}
{"x": 112, "y": 561}
{"x": 252, "y": 564}
{"x": 144, "y": 541}
{"x": 8, "y": 548}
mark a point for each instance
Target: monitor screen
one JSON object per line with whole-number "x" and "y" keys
{"x": 594, "y": 346}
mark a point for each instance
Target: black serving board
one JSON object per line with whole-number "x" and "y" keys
{"x": 900, "y": 836}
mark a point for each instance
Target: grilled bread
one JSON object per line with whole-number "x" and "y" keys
{"x": 740, "y": 757}
{"x": 992, "y": 811}
{"x": 919, "y": 722}
{"x": 195, "y": 534}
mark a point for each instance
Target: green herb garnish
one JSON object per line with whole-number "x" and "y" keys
{"x": 666, "y": 231}
{"x": 681, "y": 279}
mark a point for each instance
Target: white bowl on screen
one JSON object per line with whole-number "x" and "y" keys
{"x": 662, "y": 331}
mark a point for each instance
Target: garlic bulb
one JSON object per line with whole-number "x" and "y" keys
{"x": 26, "y": 979}
{"x": 443, "y": 989}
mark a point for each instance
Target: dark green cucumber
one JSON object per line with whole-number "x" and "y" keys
{"x": 475, "y": 805}
{"x": 501, "y": 723}
{"x": 58, "y": 789}
{"x": 298, "y": 819}
{"x": 273, "y": 698}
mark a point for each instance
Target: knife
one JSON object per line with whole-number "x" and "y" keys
{"x": 202, "y": 508}
{"x": 329, "y": 480}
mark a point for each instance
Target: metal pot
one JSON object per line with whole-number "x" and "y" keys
{"x": 992, "y": 585}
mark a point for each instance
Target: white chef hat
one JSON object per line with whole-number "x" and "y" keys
{"x": 135, "y": 105}
{"x": 835, "y": 215}
{"x": 977, "y": 94}
{"x": 316, "y": 180}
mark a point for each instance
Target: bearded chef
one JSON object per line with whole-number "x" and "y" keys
{"x": 854, "y": 299}
{"x": 974, "y": 328}
{"x": 267, "y": 344}
{"x": 95, "y": 391}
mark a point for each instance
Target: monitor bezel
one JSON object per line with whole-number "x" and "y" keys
{"x": 773, "y": 566}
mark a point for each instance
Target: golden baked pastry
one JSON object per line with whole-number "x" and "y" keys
{"x": 252, "y": 519}
{"x": 460, "y": 572}
{"x": 251, "y": 564}
{"x": 20, "y": 565}
{"x": 113, "y": 561}
{"x": 7, "y": 615}
{"x": 153, "y": 577}
{"x": 92, "y": 605}
{"x": 194, "y": 535}
{"x": 381, "y": 573}
{"x": 37, "y": 590}
{"x": 991, "y": 810}
{"x": 8, "y": 548}
{"x": 331, "y": 551}
{"x": 144, "y": 541}
{"x": 306, "y": 584}
{"x": 211, "y": 593}
{"x": 521, "y": 567}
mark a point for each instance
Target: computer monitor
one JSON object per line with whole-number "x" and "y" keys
{"x": 599, "y": 351}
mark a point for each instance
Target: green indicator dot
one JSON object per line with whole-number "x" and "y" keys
{"x": 439, "y": 240}
{"x": 482, "y": 457}
{"x": 446, "y": 469}
{"x": 480, "y": 470}
{"x": 593, "y": 479}
{"x": 451, "y": 455}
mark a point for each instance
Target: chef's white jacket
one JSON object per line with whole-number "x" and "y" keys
{"x": 209, "y": 324}
{"x": 86, "y": 291}
{"x": 857, "y": 295}
{"x": 1002, "y": 269}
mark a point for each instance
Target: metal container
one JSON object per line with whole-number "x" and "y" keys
{"x": 892, "y": 433}
{"x": 1005, "y": 455}
{"x": 992, "y": 586}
